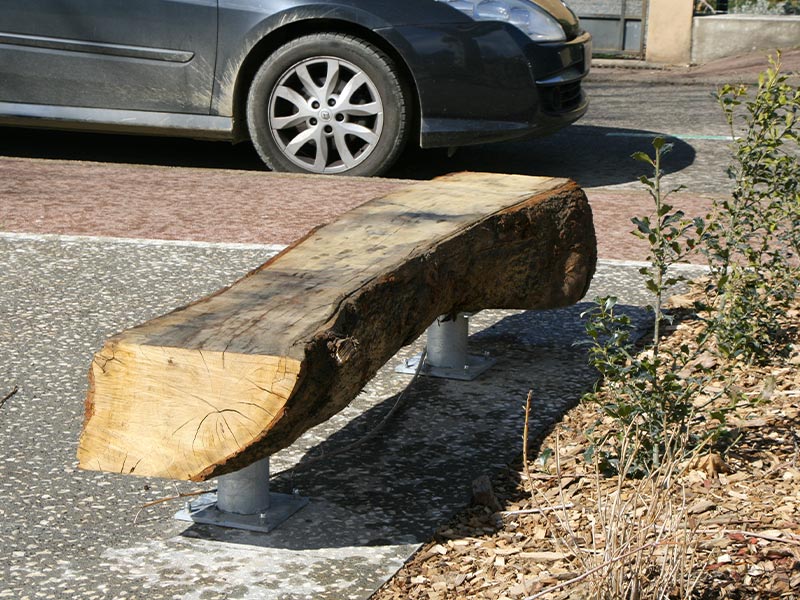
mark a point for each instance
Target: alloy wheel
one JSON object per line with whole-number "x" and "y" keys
{"x": 326, "y": 115}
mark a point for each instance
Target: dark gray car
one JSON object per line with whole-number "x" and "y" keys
{"x": 322, "y": 86}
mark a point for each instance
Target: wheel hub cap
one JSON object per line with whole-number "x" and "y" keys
{"x": 335, "y": 138}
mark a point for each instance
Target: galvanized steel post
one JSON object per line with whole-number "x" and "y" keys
{"x": 446, "y": 354}
{"x": 447, "y": 342}
{"x": 245, "y": 492}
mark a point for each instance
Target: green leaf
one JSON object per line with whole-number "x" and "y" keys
{"x": 544, "y": 456}
{"x": 643, "y": 224}
{"x": 609, "y": 303}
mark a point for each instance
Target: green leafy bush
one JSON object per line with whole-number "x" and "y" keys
{"x": 752, "y": 238}
{"x": 752, "y": 243}
{"x": 646, "y": 393}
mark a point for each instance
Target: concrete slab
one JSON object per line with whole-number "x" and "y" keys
{"x": 66, "y": 533}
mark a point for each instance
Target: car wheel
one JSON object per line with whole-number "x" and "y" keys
{"x": 328, "y": 103}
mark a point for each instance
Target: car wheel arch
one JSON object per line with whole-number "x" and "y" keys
{"x": 277, "y": 37}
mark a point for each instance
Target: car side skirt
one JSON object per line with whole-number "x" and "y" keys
{"x": 116, "y": 121}
{"x": 436, "y": 133}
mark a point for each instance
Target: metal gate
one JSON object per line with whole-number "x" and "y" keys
{"x": 617, "y": 26}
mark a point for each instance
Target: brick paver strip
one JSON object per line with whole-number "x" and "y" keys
{"x": 216, "y": 205}
{"x": 171, "y": 203}
{"x": 614, "y": 209}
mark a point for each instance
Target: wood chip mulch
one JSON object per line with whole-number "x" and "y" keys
{"x": 729, "y": 526}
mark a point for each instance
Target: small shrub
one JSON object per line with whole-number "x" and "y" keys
{"x": 646, "y": 393}
{"x": 752, "y": 238}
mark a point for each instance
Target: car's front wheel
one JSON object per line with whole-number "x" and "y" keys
{"x": 328, "y": 103}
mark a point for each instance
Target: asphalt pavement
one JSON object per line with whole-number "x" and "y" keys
{"x": 98, "y": 233}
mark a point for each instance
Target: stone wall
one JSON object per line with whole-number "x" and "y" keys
{"x": 718, "y": 36}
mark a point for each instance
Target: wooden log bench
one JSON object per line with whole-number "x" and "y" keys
{"x": 221, "y": 383}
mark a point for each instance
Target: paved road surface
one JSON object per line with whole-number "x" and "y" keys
{"x": 82, "y": 183}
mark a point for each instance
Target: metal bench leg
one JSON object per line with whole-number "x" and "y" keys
{"x": 243, "y": 501}
{"x": 447, "y": 355}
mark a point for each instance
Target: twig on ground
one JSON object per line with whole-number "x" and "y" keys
{"x": 178, "y": 496}
{"x": 793, "y": 540}
{"x": 8, "y": 396}
{"x": 536, "y": 511}
{"x": 727, "y": 520}
{"x": 525, "y": 440}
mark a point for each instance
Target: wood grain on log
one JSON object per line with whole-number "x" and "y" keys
{"x": 211, "y": 387}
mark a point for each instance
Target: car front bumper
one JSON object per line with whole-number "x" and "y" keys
{"x": 488, "y": 82}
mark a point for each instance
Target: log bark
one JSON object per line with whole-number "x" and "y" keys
{"x": 213, "y": 386}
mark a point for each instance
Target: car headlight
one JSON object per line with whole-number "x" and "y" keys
{"x": 532, "y": 19}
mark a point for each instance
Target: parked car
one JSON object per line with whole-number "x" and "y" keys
{"x": 319, "y": 86}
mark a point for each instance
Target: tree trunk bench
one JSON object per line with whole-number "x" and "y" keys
{"x": 230, "y": 379}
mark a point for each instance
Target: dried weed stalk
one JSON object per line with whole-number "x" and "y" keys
{"x": 642, "y": 543}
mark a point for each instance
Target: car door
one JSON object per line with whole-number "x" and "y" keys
{"x": 153, "y": 55}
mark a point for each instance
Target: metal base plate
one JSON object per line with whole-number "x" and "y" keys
{"x": 204, "y": 510}
{"x": 476, "y": 365}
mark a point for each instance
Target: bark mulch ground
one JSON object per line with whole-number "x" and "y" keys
{"x": 730, "y": 527}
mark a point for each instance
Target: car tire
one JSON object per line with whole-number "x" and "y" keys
{"x": 328, "y": 103}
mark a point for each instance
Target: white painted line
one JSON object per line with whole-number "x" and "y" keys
{"x": 55, "y": 237}
{"x": 272, "y": 248}
{"x": 609, "y": 262}
{"x": 679, "y": 136}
